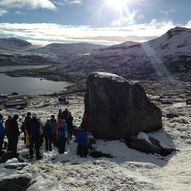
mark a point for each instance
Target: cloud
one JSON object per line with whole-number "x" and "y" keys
{"x": 64, "y": 2}
{"x": 188, "y": 24}
{"x": 49, "y": 32}
{"x": 125, "y": 20}
{"x": 3, "y": 12}
{"x": 34, "y": 4}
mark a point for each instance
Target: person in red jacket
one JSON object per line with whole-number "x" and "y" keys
{"x": 84, "y": 124}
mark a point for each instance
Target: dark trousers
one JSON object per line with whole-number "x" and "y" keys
{"x": 70, "y": 132}
{"x": 34, "y": 144}
{"x": 82, "y": 150}
{"x": 12, "y": 145}
{"x": 48, "y": 143}
{"x": 61, "y": 144}
{"x": 54, "y": 139}
{"x": 1, "y": 144}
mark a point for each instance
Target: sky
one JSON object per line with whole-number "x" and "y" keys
{"x": 96, "y": 21}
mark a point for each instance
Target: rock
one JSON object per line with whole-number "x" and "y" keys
{"x": 166, "y": 100}
{"x": 17, "y": 166}
{"x": 171, "y": 115}
{"x": 6, "y": 156}
{"x": 15, "y": 184}
{"x": 183, "y": 121}
{"x": 188, "y": 102}
{"x": 116, "y": 109}
{"x": 149, "y": 145}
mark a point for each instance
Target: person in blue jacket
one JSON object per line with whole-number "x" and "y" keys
{"x": 2, "y": 133}
{"x": 82, "y": 140}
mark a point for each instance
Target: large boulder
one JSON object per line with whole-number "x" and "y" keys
{"x": 116, "y": 109}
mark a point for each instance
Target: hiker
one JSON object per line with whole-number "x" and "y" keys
{"x": 61, "y": 135}
{"x": 25, "y": 128}
{"x": 82, "y": 140}
{"x": 2, "y": 133}
{"x": 41, "y": 132}
{"x": 65, "y": 113}
{"x": 69, "y": 122}
{"x": 13, "y": 135}
{"x": 53, "y": 123}
{"x": 34, "y": 134}
{"x": 84, "y": 124}
{"x": 48, "y": 135}
{"x": 60, "y": 114}
{"x": 8, "y": 121}
{"x": 7, "y": 127}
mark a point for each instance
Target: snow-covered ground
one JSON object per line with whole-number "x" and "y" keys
{"x": 127, "y": 170}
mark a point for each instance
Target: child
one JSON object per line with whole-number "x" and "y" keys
{"x": 82, "y": 139}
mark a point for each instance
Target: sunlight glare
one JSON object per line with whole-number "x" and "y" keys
{"x": 117, "y": 4}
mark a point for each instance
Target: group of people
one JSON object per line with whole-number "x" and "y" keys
{"x": 55, "y": 132}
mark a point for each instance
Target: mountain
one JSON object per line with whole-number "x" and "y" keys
{"x": 65, "y": 51}
{"x": 15, "y": 51}
{"x": 13, "y": 44}
{"x": 165, "y": 58}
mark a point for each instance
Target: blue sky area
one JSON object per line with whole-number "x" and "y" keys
{"x": 97, "y": 21}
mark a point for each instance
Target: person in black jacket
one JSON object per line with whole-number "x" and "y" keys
{"x": 48, "y": 135}
{"x": 34, "y": 134}
{"x": 69, "y": 122}
{"x": 26, "y": 125}
{"x": 2, "y": 133}
{"x": 13, "y": 135}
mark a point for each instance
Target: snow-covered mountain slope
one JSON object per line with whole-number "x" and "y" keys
{"x": 16, "y": 51}
{"x": 65, "y": 51}
{"x": 165, "y": 58}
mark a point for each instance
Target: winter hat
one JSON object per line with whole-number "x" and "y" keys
{"x": 28, "y": 113}
{"x": 15, "y": 116}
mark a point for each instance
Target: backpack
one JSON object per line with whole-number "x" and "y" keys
{"x": 61, "y": 133}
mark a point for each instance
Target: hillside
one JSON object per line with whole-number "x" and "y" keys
{"x": 66, "y": 51}
{"x": 166, "y": 58}
{"x": 13, "y": 43}
{"x": 16, "y": 51}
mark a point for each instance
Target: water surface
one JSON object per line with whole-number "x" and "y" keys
{"x": 28, "y": 85}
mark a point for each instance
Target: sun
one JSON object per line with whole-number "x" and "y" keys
{"x": 117, "y": 4}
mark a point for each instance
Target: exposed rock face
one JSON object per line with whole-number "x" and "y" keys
{"x": 149, "y": 145}
{"x": 116, "y": 109}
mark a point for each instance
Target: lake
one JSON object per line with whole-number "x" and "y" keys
{"x": 28, "y": 85}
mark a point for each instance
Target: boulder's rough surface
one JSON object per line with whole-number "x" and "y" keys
{"x": 117, "y": 109}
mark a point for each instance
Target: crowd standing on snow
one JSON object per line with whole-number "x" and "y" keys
{"x": 57, "y": 132}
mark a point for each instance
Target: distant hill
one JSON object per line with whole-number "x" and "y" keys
{"x": 15, "y": 51}
{"x": 13, "y": 43}
{"x": 66, "y": 51}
